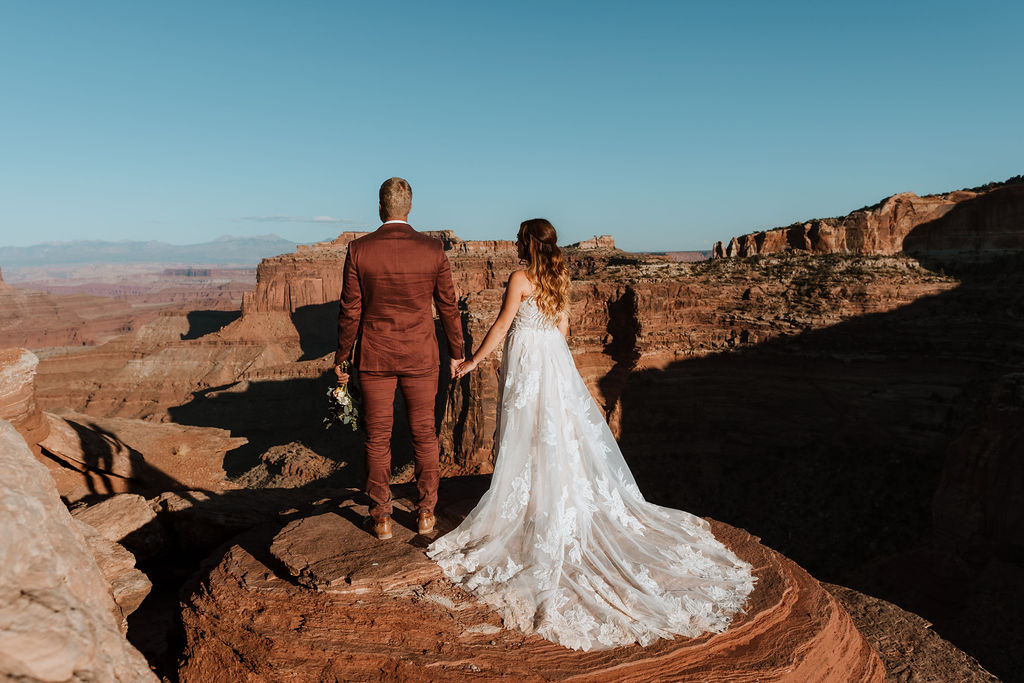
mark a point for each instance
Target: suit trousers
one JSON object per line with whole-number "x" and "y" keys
{"x": 420, "y": 391}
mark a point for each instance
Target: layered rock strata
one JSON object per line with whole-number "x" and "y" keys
{"x": 144, "y": 286}
{"x": 141, "y": 374}
{"x": 647, "y": 316}
{"x": 127, "y": 519}
{"x": 312, "y": 276}
{"x": 328, "y": 601}
{"x": 961, "y": 221}
{"x": 58, "y": 618}
{"x": 38, "y": 319}
{"x": 911, "y": 650}
{"x": 18, "y": 394}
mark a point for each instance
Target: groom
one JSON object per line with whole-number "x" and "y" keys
{"x": 390, "y": 278}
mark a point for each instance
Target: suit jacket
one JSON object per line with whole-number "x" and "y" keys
{"x": 390, "y": 278}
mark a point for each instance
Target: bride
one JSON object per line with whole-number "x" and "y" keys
{"x": 563, "y": 544}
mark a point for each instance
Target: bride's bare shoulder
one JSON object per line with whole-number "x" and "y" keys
{"x": 519, "y": 283}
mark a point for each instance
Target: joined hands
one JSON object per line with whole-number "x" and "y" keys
{"x": 462, "y": 367}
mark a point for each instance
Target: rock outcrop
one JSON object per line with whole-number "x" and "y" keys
{"x": 141, "y": 374}
{"x": 126, "y": 519}
{"x": 911, "y": 650}
{"x": 58, "y": 618}
{"x": 952, "y": 223}
{"x": 88, "y": 455}
{"x": 18, "y": 394}
{"x": 312, "y": 276}
{"x": 128, "y": 586}
{"x": 598, "y": 242}
{"x": 328, "y": 601}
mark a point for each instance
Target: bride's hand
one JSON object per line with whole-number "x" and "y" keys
{"x": 465, "y": 368}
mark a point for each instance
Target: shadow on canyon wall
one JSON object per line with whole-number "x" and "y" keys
{"x": 276, "y": 412}
{"x": 832, "y": 445}
{"x": 202, "y": 323}
{"x": 318, "y": 329}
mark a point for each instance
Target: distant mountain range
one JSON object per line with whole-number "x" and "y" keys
{"x": 223, "y": 250}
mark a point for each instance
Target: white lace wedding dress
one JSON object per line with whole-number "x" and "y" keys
{"x": 563, "y": 544}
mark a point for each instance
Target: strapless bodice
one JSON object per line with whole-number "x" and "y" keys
{"x": 529, "y": 317}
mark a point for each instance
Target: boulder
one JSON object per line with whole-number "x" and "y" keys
{"x": 127, "y": 519}
{"x": 128, "y": 585}
{"x": 18, "y": 394}
{"x": 58, "y": 618}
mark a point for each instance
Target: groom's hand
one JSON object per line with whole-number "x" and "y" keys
{"x": 464, "y": 369}
{"x": 342, "y": 376}
{"x": 453, "y": 365}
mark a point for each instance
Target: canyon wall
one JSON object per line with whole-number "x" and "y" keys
{"x": 39, "y": 319}
{"x": 90, "y": 305}
{"x": 90, "y": 455}
{"x": 647, "y": 315}
{"x": 312, "y": 275}
{"x": 961, "y": 221}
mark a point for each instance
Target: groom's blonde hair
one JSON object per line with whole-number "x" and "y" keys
{"x": 395, "y": 198}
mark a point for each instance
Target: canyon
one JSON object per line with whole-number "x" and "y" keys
{"x": 66, "y": 306}
{"x": 845, "y": 395}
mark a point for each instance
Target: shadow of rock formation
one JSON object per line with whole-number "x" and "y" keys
{"x": 270, "y": 413}
{"x": 318, "y": 329}
{"x": 202, "y": 323}
{"x": 831, "y": 446}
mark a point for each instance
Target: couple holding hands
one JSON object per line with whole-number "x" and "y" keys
{"x": 563, "y": 543}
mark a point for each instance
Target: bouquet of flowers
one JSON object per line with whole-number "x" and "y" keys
{"x": 342, "y": 407}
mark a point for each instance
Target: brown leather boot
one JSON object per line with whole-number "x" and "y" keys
{"x": 426, "y": 521}
{"x": 380, "y": 528}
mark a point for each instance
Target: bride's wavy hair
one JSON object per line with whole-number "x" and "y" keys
{"x": 546, "y": 268}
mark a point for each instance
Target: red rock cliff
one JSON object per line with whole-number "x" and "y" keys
{"x": 954, "y": 222}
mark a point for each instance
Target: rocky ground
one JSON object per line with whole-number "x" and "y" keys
{"x": 393, "y": 615}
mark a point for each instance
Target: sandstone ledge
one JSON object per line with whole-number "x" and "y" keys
{"x": 322, "y": 600}
{"x": 911, "y": 650}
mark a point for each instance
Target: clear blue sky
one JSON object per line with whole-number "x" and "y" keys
{"x": 669, "y": 125}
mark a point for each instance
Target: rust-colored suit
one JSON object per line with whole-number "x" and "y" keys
{"x": 391, "y": 277}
